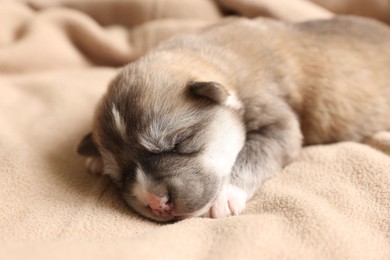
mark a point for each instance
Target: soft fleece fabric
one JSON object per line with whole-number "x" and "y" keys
{"x": 56, "y": 58}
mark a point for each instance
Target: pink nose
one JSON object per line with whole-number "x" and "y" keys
{"x": 160, "y": 205}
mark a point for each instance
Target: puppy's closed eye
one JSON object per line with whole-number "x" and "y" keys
{"x": 187, "y": 142}
{"x": 180, "y": 146}
{"x": 182, "y": 142}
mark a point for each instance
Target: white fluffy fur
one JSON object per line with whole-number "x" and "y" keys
{"x": 223, "y": 146}
{"x": 119, "y": 122}
{"x": 231, "y": 201}
{"x": 233, "y": 102}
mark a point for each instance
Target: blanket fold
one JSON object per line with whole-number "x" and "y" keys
{"x": 56, "y": 60}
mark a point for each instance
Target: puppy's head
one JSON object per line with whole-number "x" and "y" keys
{"x": 167, "y": 139}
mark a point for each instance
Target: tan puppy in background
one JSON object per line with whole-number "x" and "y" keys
{"x": 195, "y": 126}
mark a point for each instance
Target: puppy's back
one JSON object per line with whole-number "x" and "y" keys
{"x": 333, "y": 73}
{"x": 345, "y": 79}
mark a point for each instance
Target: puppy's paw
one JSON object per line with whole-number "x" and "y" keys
{"x": 231, "y": 201}
{"x": 94, "y": 165}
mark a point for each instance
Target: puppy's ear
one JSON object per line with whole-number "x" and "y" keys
{"x": 215, "y": 92}
{"x": 87, "y": 146}
{"x": 210, "y": 90}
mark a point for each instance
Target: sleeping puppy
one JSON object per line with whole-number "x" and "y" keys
{"x": 195, "y": 126}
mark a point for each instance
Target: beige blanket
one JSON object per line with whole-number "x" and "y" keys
{"x": 56, "y": 57}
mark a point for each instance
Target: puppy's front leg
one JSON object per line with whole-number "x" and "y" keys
{"x": 273, "y": 140}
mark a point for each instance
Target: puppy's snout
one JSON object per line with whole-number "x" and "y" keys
{"x": 160, "y": 205}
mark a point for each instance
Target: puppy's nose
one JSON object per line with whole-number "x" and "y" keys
{"x": 159, "y": 203}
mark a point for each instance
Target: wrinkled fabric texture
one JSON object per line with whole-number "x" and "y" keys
{"x": 56, "y": 59}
